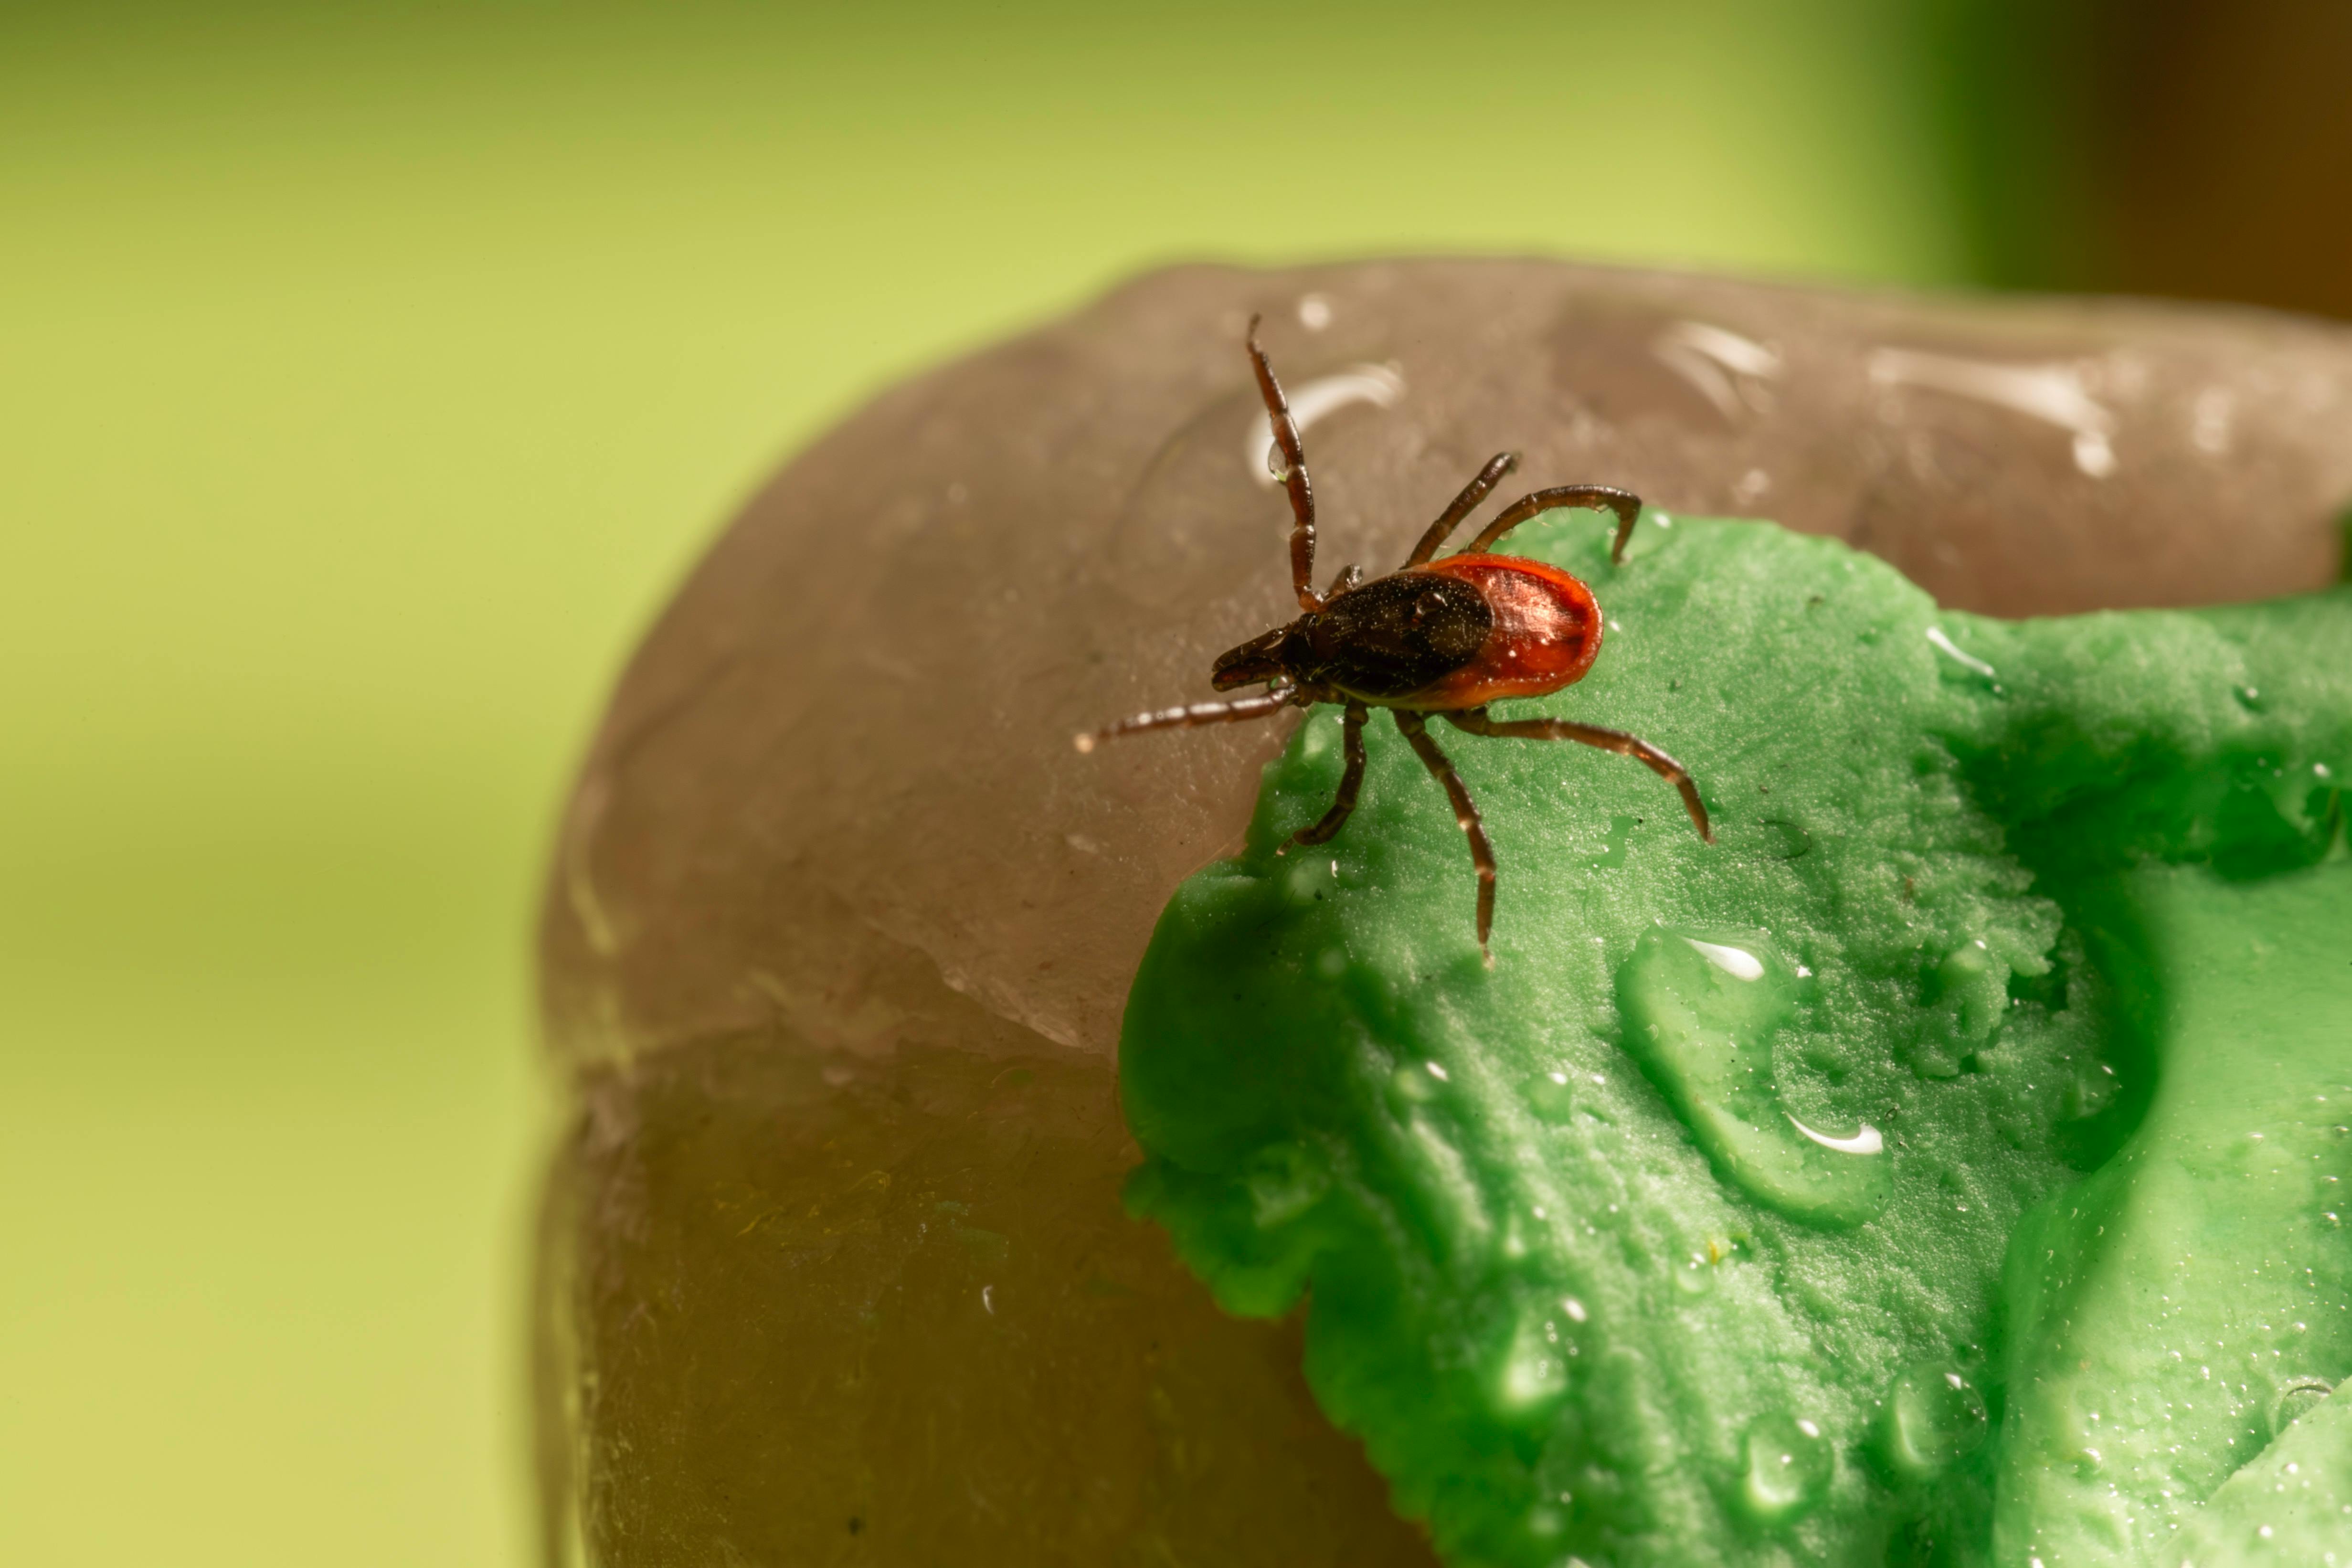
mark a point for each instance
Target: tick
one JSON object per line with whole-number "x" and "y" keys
{"x": 1441, "y": 638}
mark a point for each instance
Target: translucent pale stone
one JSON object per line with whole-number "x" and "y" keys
{"x": 839, "y": 927}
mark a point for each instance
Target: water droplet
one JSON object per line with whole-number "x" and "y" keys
{"x": 1549, "y": 1097}
{"x": 1701, "y": 1009}
{"x": 1309, "y": 881}
{"x": 2297, "y": 1397}
{"x": 1532, "y": 1374}
{"x": 2249, "y": 697}
{"x": 1935, "y": 1417}
{"x": 1789, "y": 1464}
{"x": 2093, "y": 453}
{"x": 1312, "y": 401}
{"x": 1736, "y": 962}
{"x": 1694, "y": 1275}
{"x": 1866, "y": 1140}
{"x": 1949, "y": 649}
{"x": 1412, "y": 1085}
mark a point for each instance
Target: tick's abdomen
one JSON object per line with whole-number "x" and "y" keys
{"x": 1543, "y": 632}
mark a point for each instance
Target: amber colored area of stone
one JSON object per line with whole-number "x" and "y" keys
{"x": 833, "y": 872}
{"x": 889, "y": 1310}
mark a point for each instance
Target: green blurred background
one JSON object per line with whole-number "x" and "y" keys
{"x": 366, "y": 382}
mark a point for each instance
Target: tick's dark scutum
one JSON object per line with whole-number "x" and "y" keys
{"x": 1396, "y": 634}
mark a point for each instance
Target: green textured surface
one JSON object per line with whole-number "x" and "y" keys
{"x": 2199, "y": 1284}
{"x": 1580, "y": 1280}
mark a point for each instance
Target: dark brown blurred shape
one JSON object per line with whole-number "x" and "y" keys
{"x": 2164, "y": 147}
{"x": 840, "y": 925}
{"x": 2223, "y": 150}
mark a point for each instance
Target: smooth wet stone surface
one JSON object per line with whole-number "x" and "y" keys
{"x": 1849, "y": 1083}
{"x": 832, "y": 825}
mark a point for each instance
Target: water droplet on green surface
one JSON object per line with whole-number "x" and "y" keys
{"x": 1310, "y": 880}
{"x": 1788, "y": 1463}
{"x": 1953, "y": 651}
{"x": 2297, "y": 1397}
{"x": 1549, "y": 1097}
{"x": 1736, "y": 962}
{"x": 1694, "y": 1275}
{"x": 1935, "y": 1417}
{"x": 1781, "y": 839}
{"x": 1414, "y": 1084}
{"x": 1701, "y": 1009}
{"x": 1532, "y": 1374}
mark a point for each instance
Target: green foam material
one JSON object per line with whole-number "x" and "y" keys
{"x": 1815, "y": 1194}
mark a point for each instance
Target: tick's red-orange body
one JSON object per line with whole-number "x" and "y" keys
{"x": 1434, "y": 637}
{"x": 1545, "y": 635}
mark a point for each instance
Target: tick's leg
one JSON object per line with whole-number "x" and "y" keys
{"x": 1487, "y": 478}
{"x": 1466, "y": 812}
{"x": 1191, "y": 716}
{"x": 1351, "y": 733}
{"x": 1600, "y": 498}
{"x": 1476, "y": 721}
{"x": 1350, "y": 579}
{"x": 1294, "y": 478}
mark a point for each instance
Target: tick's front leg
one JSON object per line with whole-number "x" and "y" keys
{"x": 1295, "y": 483}
{"x": 1192, "y": 715}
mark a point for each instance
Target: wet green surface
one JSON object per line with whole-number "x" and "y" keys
{"x": 1679, "y": 1235}
{"x": 2179, "y": 1309}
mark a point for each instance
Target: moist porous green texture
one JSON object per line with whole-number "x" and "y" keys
{"x": 1941, "y": 1168}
